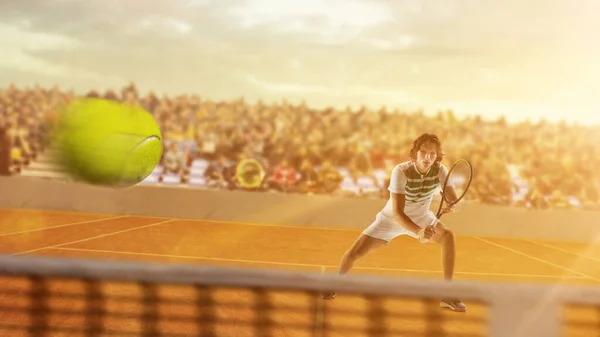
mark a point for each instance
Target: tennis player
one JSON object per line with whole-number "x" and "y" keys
{"x": 407, "y": 212}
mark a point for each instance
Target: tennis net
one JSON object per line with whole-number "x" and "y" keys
{"x": 41, "y": 296}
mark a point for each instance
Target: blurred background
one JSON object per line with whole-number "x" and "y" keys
{"x": 326, "y": 96}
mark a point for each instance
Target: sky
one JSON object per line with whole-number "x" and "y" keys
{"x": 518, "y": 59}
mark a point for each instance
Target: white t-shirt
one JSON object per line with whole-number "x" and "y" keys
{"x": 418, "y": 188}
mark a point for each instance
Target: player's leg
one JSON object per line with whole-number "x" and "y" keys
{"x": 363, "y": 245}
{"x": 378, "y": 234}
{"x": 445, "y": 237}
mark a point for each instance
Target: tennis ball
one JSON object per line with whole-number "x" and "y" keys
{"x": 104, "y": 142}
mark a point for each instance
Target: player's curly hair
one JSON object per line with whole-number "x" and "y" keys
{"x": 427, "y": 138}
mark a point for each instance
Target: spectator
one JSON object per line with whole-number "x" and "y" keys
{"x": 209, "y": 144}
{"x": 556, "y": 154}
{"x": 558, "y": 200}
{"x": 216, "y": 173}
{"x": 5, "y": 145}
{"x": 284, "y": 176}
{"x": 360, "y": 166}
{"x": 309, "y": 179}
{"x": 330, "y": 178}
{"x": 174, "y": 160}
{"x": 534, "y": 199}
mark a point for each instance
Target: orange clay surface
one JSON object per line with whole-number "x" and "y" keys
{"x": 234, "y": 313}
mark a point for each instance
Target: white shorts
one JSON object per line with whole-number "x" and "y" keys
{"x": 387, "y": 228}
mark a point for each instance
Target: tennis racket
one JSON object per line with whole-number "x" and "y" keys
{"x": 459, "y": 176}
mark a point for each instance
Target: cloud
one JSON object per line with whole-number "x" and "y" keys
{"x": 107, "y": 21}
{"x": 161, "y": 25}
{"x": 325, "y": 19}
{"x": 495, "y": 53}
{"x": 19, "y": 36}
{"x": 321, "y": 93}
{"x": 20, "y": 44}
{"x": 331, "y": 14}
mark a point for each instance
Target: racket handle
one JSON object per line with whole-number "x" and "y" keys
{"x": 423, "y": 240}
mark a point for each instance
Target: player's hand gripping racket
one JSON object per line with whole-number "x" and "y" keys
{"x": 460, "y": 177}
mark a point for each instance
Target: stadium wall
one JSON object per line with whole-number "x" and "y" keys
{"x": 284, "y": 209}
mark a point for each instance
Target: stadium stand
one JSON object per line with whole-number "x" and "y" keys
{"x": 533, "y": 165}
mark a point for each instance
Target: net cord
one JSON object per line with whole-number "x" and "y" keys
{"x": 121, "y": 271}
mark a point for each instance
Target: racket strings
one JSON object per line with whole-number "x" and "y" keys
{"x": 460, "y": 177}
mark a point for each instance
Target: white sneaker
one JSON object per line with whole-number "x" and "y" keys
{"x": 328, "y": 295}
{"x": 454, "y": 305}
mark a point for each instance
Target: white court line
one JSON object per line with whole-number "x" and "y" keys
{"x": 562, "y": 250}
{"x": 320, "y": 319}
{"x": 305, "y": 264}
{"x": 357, "y": 230}
{"x": 92, "y": 238}
{"x": 63, "y": 225}
{"x": 538, "y": 259}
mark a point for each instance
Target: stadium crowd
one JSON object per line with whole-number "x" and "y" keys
{"x": 306, "y": 150}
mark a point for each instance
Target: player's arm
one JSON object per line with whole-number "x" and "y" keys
{"x": 396, "y": 188}
{"x": 406, "y": 222}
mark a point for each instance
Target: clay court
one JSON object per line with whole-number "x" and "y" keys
{"x": 147, "y": 239}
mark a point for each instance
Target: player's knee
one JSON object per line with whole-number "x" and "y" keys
{"x": 353, "y": 253}
{"x": 444, "y": 235}
{"x": 348, "y": 254}
{"x": 448, "y": 234}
